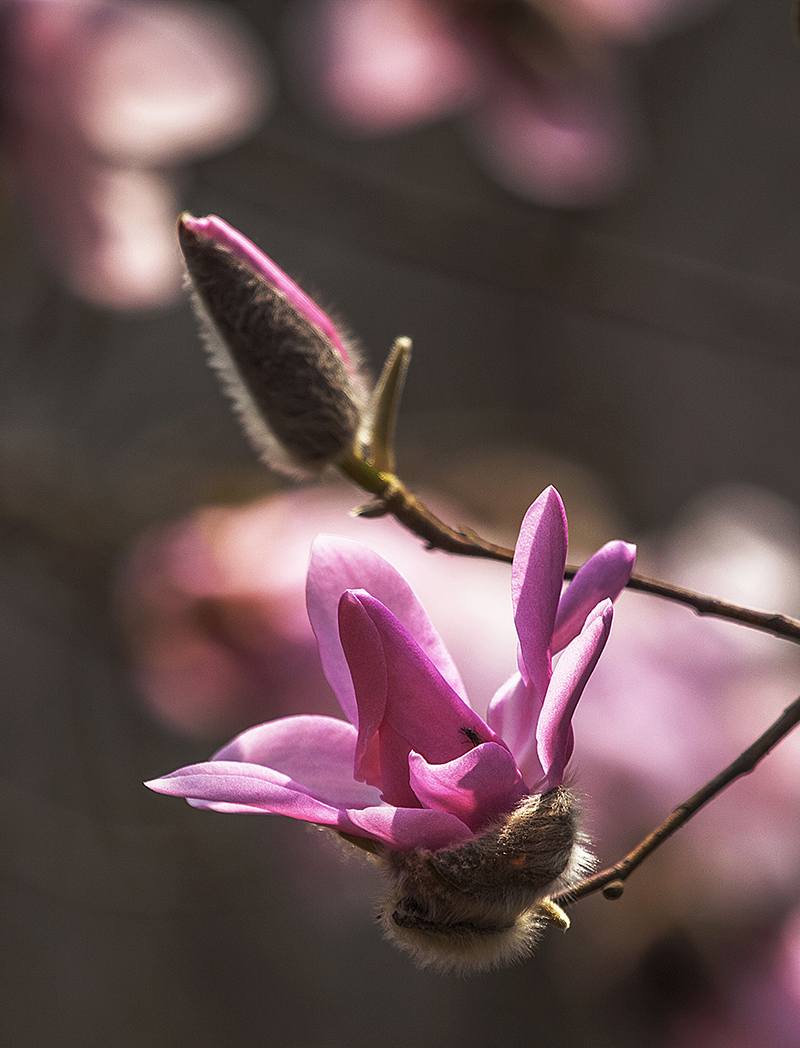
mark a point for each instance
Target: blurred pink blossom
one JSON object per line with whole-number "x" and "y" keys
{"x": 755, "y": 999}
{"x": 550, "y": 108}
{"x": 681, "y": 696}
{"x": 214, "y": 608}
{"x": 103, "y": 102}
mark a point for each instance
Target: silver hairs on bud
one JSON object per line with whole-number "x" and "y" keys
{"x": 483, "y": 903}
{"x": 289, "y": 384}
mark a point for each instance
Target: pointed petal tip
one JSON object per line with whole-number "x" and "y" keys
{"x": 603, "y": 611}
{"x": 547, "y": 506}
{"x": 352, "y": 601}
{"x": 552, "y": 494}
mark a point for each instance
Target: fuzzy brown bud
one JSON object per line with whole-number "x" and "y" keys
{"x": 291, "y": 380}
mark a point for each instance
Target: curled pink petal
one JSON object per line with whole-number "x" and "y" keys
{"x": 417, "y": 701}
{"x": 513, "y": 715}
{"x": 228, "y": 786}
{"x": 315, "y": 752}
{"x": 232, "y": 786}
{"x": 403, "y": 828}
{"x": 369, "y": 671}
{"x": 477, "y": 787}
{"x": 402, "y": 699}
{"x": 537, "y": 576}
{"x": 338, "y": 564}
{"x": 554, "y": 737}
{"x": 605, "y": 574}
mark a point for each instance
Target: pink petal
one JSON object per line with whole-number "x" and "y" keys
{"x": 604, "y": 574}
{"x": 477, "y": 787}
{"x": 537, "y": 576}
{"x": 316, "y": 753}
{"x": 228, "y": 786}
{"x": 513, "y": 715}
{"x": 554, "y": 737}
{"x": 339, "y": 564}
{"x": 246, "y": 251}
{"x": 404, "y": 828}
{"x": 231, "y": 786}
{"x": 396, "y": 682}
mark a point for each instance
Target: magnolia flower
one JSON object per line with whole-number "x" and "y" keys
{"x": 470, "y": 817}
{"x": 294, "y": 382}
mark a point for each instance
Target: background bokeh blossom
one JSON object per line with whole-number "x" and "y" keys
{"x": 103, "y": 102}
{"x": 548, "y": 99}
{"x": 214, "y": 610}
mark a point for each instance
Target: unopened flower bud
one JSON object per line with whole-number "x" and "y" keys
{"x": 293, "y": 382}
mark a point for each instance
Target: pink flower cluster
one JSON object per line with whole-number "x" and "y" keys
{"x": 413, "y": 765}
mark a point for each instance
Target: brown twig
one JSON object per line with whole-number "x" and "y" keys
{"x": 768, "y": 622}
{"x": 392, "y": 496}
{"x": 611, "y": 880}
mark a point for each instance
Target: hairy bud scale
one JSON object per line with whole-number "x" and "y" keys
{"x": 290, "y": 385}
{"x": 482, "y": 903}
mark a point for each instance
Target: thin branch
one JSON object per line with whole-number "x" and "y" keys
{"x": 613, "y": 878}
{"x": 779, "y": 625}
{"x": 393, "y": 497}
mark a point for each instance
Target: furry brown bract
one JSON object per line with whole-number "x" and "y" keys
{"x": 289, "y": 384}
{"x": 479, "y": 904}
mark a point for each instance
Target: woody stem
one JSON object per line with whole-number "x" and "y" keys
{"x": 613, "y": 877}
{"x": 393, "y": 497}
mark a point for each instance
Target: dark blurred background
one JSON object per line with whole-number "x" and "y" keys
{"x": 640, "y": 353}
